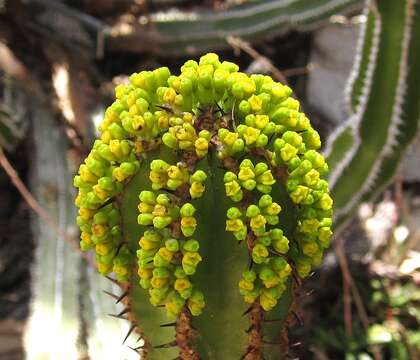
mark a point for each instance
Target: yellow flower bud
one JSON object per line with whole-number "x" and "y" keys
{"x": 257, "y": 222}
{"x": 100, "y": 193}
{"x": 159, "y": 282}
{"x": 99, "y": 230}
{"x": 246, "y": 285}
{"x": 189, "y": 221}
{"x": 166, "y": 254}
{"x": 246, "y": 173}
{"x": 86, "y": 214}
{"x": 234, "y": 225}
{"x": 145, "y": 273}
{"x": 182, "y": 284}
{"x": 169, "y": 95}
{"x": 85, "y": 237}
{"x": 148, "y": 245}
{"x": 230, "y": 138}
{"x": 104, "y": 249}
{"x": 159, "y": 210}
{"x": 201, "y": 144}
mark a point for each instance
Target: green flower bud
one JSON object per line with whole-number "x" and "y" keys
{"x": 234, "y": 213}
{"x": 252, "y": 211}
{"x": 145, "y": 219}
{"x": 159, "y": 222}
{"x": 281, "y": 245}
{"x": 187, "y": 231}
{"x": 159, "y": 261}
{"x": 238, "y": 146}
{"x": 264, "y": 240}
{"x": 187, "y": 210}
{"x": 198, "y": 176}
{"x": 249, "y": 184}
{"x": 172, "y": 245}
{"x": 159, "y": 166}
{"x": 191, "y": 245}
{"x": 163, "y": 199}
{"x": 161, "y": 272}
{"x": 262, "y": 141}
{"x": 266, "y": 273}
{"x": 249, "y": 275}
{"x": 180, "y": 273}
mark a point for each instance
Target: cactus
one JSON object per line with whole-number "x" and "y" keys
{"x": 55, "y": 289}
{"x": 13, "y": 113}
{"x": 182, "y": 32}
{"x": 204, "y": 197}
{"x": 383, "y": 98}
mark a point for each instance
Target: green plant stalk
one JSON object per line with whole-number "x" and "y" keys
{"x": 384, "y": 100}
{"x": 197, "y": 32}
{"x": 55, "y": 275}
{"x": 199, "y": 183}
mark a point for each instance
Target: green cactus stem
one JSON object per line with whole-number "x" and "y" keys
{"x": 191, "y": 32}
{"x": 383, "y": 97}
{"x": 204, "y": 196}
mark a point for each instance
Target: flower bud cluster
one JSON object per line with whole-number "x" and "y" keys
{"x": 165, "y": 260}
{"x": 306, "y": 188}
{"x": 100, "y": 178}
{"x": 249, "y": 177}
{"x": 185, "y": 137}
{"x": 166, "y": 176}
{"x": 267, "y": 278}
{"x": 265, "y": 282}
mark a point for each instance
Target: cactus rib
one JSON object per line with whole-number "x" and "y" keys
{"x": 385, "y": 108}
{"x": 191, "y": 148}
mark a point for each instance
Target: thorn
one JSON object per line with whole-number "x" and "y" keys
{"x": 272, "y": 320}
{"x": 116, "y": 297}
{"x": 248, "y": 310}
{"x": 165, "y": 107}
{"x": 136, "y": 349}
{"x": 296, "y": 344}
{"x": 249, "y": 350}
{"x": 168, "y": 324}
{"x": 112, "y": 280}
{"x": 120, "y": 315}
{"x": 130, "y": 330}
{"x": 220, "y": 109}
{"x": 297, "y": 317}
{"x": 270, "y": 342}
{"x": 122, "y": 296}
{"x": 310, "y": 292}
{"x": 250, "y": 328}
{"x": 165, "y": 346}
{"x": 109, "y": 201}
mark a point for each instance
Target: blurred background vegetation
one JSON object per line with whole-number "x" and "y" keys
{"x": 59, "y": 63}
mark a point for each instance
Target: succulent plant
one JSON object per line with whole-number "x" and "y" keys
{"x": 195, "y": 32}
{"x": 383, "y": 98}
{"x": 205, "y": 197}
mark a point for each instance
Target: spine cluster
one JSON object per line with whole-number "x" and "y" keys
{"x": 262, "y": 140}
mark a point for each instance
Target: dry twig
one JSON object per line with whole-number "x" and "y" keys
{"x": 239, "y": 44}
{"x": 347, "y": 278}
